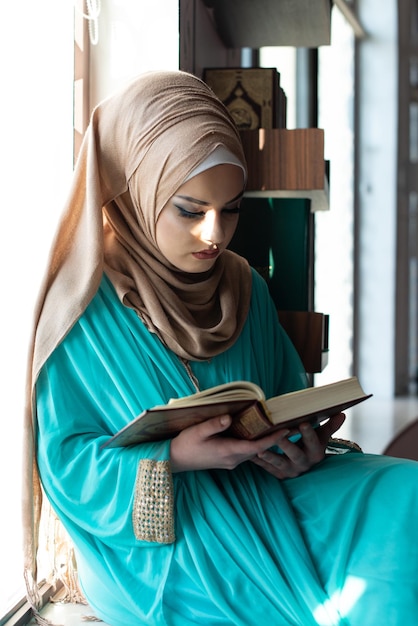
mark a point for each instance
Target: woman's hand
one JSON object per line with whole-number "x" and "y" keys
{"x": 300, "y": 456}
{"x": 199, "y": 447}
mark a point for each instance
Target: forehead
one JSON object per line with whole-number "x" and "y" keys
{"x": 215, "y": 185}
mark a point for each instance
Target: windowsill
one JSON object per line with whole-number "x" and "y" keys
{"x": 67, "y": 614}
{"x": 64, "y": 614}
{"x": 21, "y": 614}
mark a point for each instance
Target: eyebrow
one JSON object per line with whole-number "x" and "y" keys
{"x": 203, "y": 202}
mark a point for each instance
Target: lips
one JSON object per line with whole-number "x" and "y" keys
{"x": 206, "y": 254}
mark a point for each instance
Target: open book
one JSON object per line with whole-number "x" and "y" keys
{"x": 253, "y": 415}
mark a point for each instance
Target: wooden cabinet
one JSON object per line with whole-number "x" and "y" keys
{"x": 287, "y": 172}
{"x": 287, "y": 163}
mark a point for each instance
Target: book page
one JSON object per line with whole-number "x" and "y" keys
{"x": 235, "y": 390}
{"x": 315, "y": 399}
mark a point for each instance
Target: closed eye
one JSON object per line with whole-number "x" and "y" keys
{"x": 189, "y": 214}
{"x": 199, "y": 214}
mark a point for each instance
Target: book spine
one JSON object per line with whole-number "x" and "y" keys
{"x": 250, "y": 423}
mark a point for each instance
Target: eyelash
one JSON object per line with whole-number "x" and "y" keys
{"x": 192, "y": 215}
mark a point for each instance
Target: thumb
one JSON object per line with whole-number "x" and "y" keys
{"x": 215, "y": 425}
{"x": 225, "y": 421}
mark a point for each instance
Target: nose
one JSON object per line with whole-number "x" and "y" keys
{"x": 212, "y": 231}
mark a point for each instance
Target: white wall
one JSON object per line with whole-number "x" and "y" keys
{"x": 377, "y": 137}
{"x": 36, "y": 114}
{"x": 334, "y": 234}
{"x": 134, "y": 37}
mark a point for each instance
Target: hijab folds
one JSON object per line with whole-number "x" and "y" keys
{"x": 141, "y": 145}
{"x": 139, "y": 148}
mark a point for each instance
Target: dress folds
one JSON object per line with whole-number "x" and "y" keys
{"x": 334, "y": 546}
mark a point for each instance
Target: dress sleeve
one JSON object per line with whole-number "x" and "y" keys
{"x": 122, "y": 493}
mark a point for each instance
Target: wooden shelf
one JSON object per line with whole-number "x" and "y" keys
{"x": 308, "y": 332}
{"x": 287, "y": 163}
{"x": 283, "y": 163}
{"x": 251, "y": 24}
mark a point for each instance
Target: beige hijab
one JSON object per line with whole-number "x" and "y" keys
{"x": 139, "y": 148}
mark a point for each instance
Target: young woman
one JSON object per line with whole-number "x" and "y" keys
{"x": 143, "y": 302}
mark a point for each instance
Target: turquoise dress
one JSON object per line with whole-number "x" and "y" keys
{"x": 337, "y": 545}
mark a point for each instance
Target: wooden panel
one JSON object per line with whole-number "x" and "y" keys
{"x": 285, "y": 159}
{"x": 287, "y": 164}
{"x": 187, "y": 35}
{"x": 308, "y": 332}
{"x": 200, "y": 43}
{"x": 81, "y": 77}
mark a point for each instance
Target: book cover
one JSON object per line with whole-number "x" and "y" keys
{"x": 252, "y": 415}
{"x": 251, "y": 95}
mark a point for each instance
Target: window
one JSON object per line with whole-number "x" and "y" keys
{"x": 36, "y": 49}
{"x": 334, "y": 261}
{"x": 333, "y": 280}
{"x": 36, "y": 112}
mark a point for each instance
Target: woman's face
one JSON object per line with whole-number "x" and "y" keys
{"x": 198, "y": 222}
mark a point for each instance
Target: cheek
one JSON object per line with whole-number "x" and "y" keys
{"x": 169, "y": 231}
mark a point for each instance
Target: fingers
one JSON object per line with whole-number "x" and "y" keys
{"x": 279, "y": 465}
{"x": 311, "y": 444}
{"x": 212, "y": 426}
{"x": 198, "y": 447}
{"x": 298, "y": 457}
{"x": 326, "y": 431}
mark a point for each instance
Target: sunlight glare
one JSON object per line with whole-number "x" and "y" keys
{"x": 341, "y": 602}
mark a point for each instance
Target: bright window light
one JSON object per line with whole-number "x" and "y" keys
{"x": 37, "y": 57}
{"x": 36, "y": 48}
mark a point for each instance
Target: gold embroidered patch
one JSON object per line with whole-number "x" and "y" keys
{"x": 153, "y": 514}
